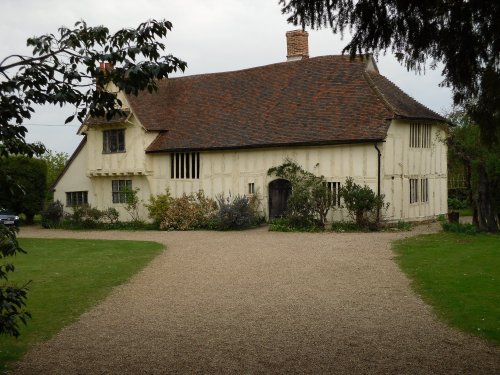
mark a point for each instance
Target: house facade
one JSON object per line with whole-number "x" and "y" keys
{"x": 221, "y": 132}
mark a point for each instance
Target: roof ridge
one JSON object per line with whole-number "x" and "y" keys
{"x": 258, "y": 67}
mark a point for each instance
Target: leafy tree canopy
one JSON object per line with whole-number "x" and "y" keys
{"x": 26, "y": 193}
{"x": 66, "y": 66}
{"x": 56, "y": 162}
{"x": 463, "y": 35}
{"x": 464, "y": 145}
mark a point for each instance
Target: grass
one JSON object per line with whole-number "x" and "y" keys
{"x": 459, "y": 275}
{"x": 465, "y": 212}
{"x": 68, "y": 277}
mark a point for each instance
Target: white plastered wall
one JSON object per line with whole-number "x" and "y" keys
{"x": 400, "y": 163}
{"x": 230, "y": 172}
{"x": 75, "y": 178}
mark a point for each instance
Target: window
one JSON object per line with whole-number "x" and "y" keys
{"x": 413, "y": 190}
{"x": 419, "y": 190}
{"x": 251, "y": 188}
{"x": 185, "y": 165}
{"x": 334, "y": 188}
{"x": 119, "y": 190}
{"x": 76, "y": 198}
{"x": 420, "y": 135}
{"x": 424, "y": 190}
{"x": 113, "y": 141}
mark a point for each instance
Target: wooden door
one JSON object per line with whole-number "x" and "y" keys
{"x": 279, "y": 191}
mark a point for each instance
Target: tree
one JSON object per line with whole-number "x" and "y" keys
{"x": 483, "y": 169}
{"x": 12, "y": 298}
{"x": 360, "y": 201}
{"x": 462, "y": 35}
{"x": 55, "y": 162}
{"x": 72, "y": 67}
{"x": 66, "y": 68}
{"x": 27, "y": 194}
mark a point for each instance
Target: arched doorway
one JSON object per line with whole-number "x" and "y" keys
{"x": 279, "y": 191}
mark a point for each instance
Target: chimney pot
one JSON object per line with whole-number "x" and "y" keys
{"x": 297, "y": 45}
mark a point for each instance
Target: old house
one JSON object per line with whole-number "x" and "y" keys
{"x": 221, "y": 132}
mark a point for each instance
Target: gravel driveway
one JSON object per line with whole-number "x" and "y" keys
{"x": 261, "y": 302}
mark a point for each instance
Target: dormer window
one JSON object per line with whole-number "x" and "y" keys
{"x": 113, "y": 141}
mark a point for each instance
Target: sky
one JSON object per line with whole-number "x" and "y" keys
{"x": 210, "y": 35}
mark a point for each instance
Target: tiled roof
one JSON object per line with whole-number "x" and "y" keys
{"x": 322, "y": 100}
{"x": 403, "y": 105}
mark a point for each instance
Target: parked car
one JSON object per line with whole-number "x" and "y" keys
{"x": 9, "y": 218}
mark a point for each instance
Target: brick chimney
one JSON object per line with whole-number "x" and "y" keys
{"x": 105, "y": 67}
{"x": 297, "y": 45}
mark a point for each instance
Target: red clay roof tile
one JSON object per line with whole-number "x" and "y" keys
{"x": 322, "y": 100}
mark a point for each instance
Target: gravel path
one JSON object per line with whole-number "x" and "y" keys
{"x": 261, "y": 302}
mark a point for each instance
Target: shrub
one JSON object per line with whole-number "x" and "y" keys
{"x": 197, "y": 211}
{"x": 132, "y": 204}
{"x": 283, "y": 224}
{"x": 404, "y": 225}
{"x": 459, "y": 228}
{"x": 456, "y": 204}
{"x": 194, "y": 211}
{"x": 205, "y": 211}
{"x": 362, "y": 203}
{"x": 310, "y": 199}
{"x": 345, "y": 226}
{"x": 85, "y": 216}
{"x": 52, "y": 214}
{"x": 158, "y": 207}
{"x": 111, "y": 215}
{"x": 234, "y": 214}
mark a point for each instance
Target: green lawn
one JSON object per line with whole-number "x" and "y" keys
{"x": 68, "y": 277}
{"x": 465, "y": 212}
{"x": 459, "y": 275}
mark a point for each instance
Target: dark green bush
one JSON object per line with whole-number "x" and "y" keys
{"x": 345, "y": 226}
{"x": 52, "y": 214}
{"x": 86, "y": 216}
{"x": 362, "y": 203}
{"x": 83, "y": 217}
{"x": 459, "y": 228}
{"x": 404, "y": 225}
{"x": 456, "y": 204}
{"x": 25, "y": 185}
{"x": 110, "y": 215}
{"x": 283, "y": 224}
